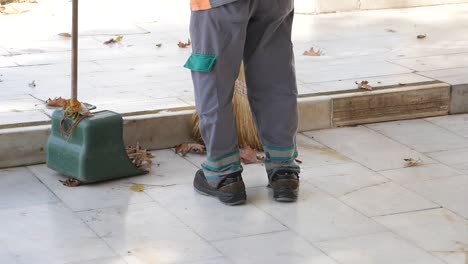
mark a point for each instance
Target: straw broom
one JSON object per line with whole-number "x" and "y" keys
{"x": 246, "y": 128}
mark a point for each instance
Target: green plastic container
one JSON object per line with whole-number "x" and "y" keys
{"x": 93, "y": 152}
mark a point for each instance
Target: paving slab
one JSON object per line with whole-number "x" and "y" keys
{"x": 107, "y": 194}
{"x": 211, "y": 219}
{"x": 421, "y": 135}
{"x": 418, "y": 228}
{"x": 20, "y": 188}
{"x": 448, "y": 192}
{"x": 27, "y": 118}
{"x": 424, "y": 172}
{"x": 365, "y": 146}
{"x": 350, "y": 84}
{"x": 430, "y": 63}
{"x": 385, "y": 199}
{"x": 341, "y": 179}
{"x": 374, "y": 248}
{"x": 452, "y": 76}
{"x": 269, "y": 248}
{"x": 331, "y": 218}
{"x": 40, "y": 243}
{"x": 148, "y": 232}
{"x": 456, "y": 158}
{"x": 457, "y": 124}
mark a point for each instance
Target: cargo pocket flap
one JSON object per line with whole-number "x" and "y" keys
{"x": 201, "y": 63}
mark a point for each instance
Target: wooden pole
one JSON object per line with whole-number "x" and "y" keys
{"x": 74, "y": 73}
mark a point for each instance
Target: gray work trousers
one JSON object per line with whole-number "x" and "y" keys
{"x": 257, "y": 32}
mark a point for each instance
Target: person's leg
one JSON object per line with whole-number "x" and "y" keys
{"x": 218, "y": 37}
{"x": 272, "y": 91}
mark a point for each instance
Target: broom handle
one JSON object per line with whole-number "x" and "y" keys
{"x": 242, "y": 73}
{"x": 74, "y": 73}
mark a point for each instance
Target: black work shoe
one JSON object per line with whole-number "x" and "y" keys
{"x": 230, "y": 189}
{"x": 285, "y": 185}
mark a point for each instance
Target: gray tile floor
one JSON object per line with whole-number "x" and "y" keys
{"x": 358, "y": 205}
{"x": 379, "y": 46}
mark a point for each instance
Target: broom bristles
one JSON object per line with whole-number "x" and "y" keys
{"x": 246, "y": 127}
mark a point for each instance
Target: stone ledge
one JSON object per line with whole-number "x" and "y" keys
{"x": 401, "y": 103}
{"x": 26, "y": 145}
{"x": 459, "y": 101}
{"x": 23, "y": 145}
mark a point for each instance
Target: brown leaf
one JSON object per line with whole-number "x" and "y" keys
{"x": 422, "y": 36}
{"x": 364, "y": 85}
{"x": 65, "y": 35}
{"x": 190, "y": 148}
{"x": 299, "y": 161}
{"x": 113, "y": 41}
{"x": 249, "y": 155}
{"x": 140, "y": 157}
{"x": 11, "y": 10}
{"x": 70, "y": 182}
{"x": 312, "y": 52}
{"x": 410, "y": 162}
{"x": 56, "y": 102}
{"x": 184, "y": 45}
{"x": 109, "y": 42}
{"x": 32, "y": 84}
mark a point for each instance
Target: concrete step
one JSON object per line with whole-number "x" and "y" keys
{"x": 22, "y": 146}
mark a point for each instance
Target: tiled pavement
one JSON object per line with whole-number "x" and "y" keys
{"x": 379, "y": 46}
{"x": 358, "y": 205}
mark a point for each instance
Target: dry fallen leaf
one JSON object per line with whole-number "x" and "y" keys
{"x": 421, "y": 36}
{"x": 159, "y": 45}
{"x": 11, "y": 10}
{"x": 65, "y": 35}
{"x": 137, "y": 188}
{"x": 71, "y": 182}
{"x": 184, "y": 45}
{"x": 140, "y": 157}
{"x": 32, "y": 84}
{"x": 299, "y": 161}
{"x": 312, "y": 52}
{"x": 190, "y": 148}
{"x": 56, "y": 102}
{"x": 364, "y": 85}
{"x": 249, "y": 155}
{"x": 410, "y": 162}
{"x": 260, "y": 157}
{"x": 113, "y": 41}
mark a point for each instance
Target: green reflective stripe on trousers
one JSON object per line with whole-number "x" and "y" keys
{"x": 213, "y": 177}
